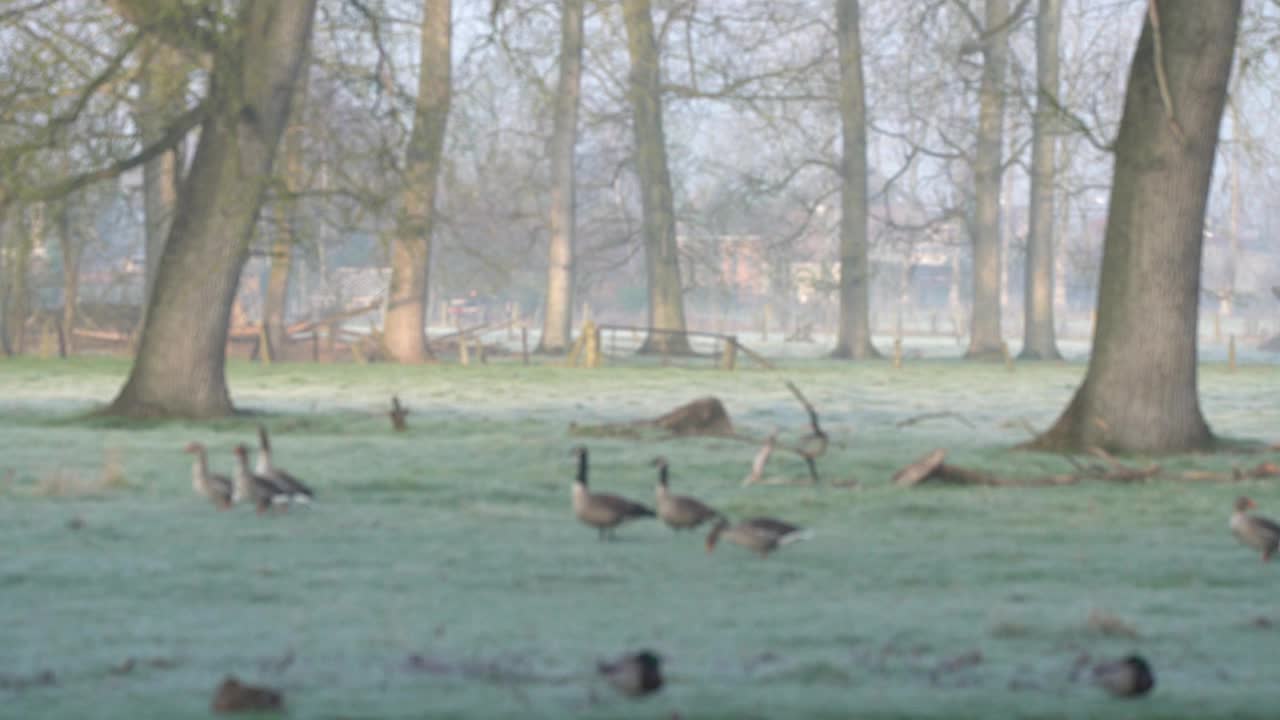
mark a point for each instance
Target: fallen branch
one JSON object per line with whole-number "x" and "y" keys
{"x": 933, "y": 416}
{"x": 398, "y": 413}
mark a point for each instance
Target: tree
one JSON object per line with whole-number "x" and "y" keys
{"x": 161, "y": 97}
{"x": 1139, "y": 393}
{"x": 854, "y": 337}
{"x": 405, "y": 338}
{"x": 985, "y": 340}
{"x": 662, "y": 256}
{"x": 1038, "y": 338}
{"x": 179, "y": 370}
{"x": 558, "y": 314}
{"x": 276, "y": 299}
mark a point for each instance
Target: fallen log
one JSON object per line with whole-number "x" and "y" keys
{"x": 704, "y": 417}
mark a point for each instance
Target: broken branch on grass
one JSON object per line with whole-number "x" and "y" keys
{"x": 813, "y": 445}
{"x": 933, "y": 416}
{"x": 398, "y": 413}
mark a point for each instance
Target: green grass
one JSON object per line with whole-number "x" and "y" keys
{"x": 454, "y": 542}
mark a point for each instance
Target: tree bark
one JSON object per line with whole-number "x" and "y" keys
{"x": 17, "y": 294}
{"x": 662, "y": 255}
{"x": 557, "y": 319}
{"x": 1039, "y": 342}
{"x": 71, "y": 253}
{"x": 164, "y": 84}
{"x": 985, "y": 340}
{"x": 406, "y": 317}
{"x": 180, "y": 366}
{"x": 853, "y": 338}
{"x": 1139, "y": 393}
{"x": 275, "y": 305}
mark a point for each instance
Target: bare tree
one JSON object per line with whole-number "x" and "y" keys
{"x": 1038, "y": 339}
{"x": 854, "y": 337}
{"x": 406, "y": 318}
{"x": 1139, "y": 393}
{"x": 662, "y": 256}
{"x": 276, "y": 299}
{"x": 179, "y": 370}
{"x": 558, "y": 314}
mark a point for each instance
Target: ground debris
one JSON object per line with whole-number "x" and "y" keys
{"x": 44, "y": 678}
{"x": 705, "y": 417}
{"x": 232, "y": 696}
{"x": 1104, "y": 623}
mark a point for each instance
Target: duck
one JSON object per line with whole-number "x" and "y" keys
{"x": 233, "y": 696}
{"x": 1127, "y": 678}
{"x": 1255, "y": 531}
{"x": 761, "y": 535}
{"x": 250, "y": 486}
{"x": 216, "y": 487}
{"x": 602, "y": 511}
{"x": 679, "y": 512}
{"x": 297, "y": 490}
{"x": 635, "y": 674}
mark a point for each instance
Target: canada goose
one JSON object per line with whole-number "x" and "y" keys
{"x": 634, "y": 674}
{"x": 679, "y": 512}
{"x": 297, "y": 491}
{"x": 1255, "y": 531}
{"x": 261, "y": 491}
{"x": 213, "y": 486}
{"x": 1127, "y": 678}
{"x": 601, "y": 511}
{"x": 760, "y": 535}
{"x": 234, "y": 697}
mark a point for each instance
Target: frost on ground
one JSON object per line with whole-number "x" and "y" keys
{"x": 441, "y": 573}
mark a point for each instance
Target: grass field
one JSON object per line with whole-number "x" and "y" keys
{"x": 440, "y": 572}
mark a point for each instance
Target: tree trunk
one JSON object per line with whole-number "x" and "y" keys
{"x": 275, "y": 302}
{"x": 1139, "y": 393}
{"x": 17, "y": 293}
{"x": 406, "y": 318}
{"x": 557, "y": 319}
{"x": 985, "y": 340}
{"x": 164, "y": 85}
{"x": 853, "y": 339}
{"x": 180, "y": 366}
{"x": 71, "y": 253}
{"x": 1039, "y": 342}
{"x": 662, "y": 256}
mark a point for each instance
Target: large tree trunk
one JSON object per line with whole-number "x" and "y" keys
{"x": 71, "y": 252}
{"x": 180, "y": 367}
{"x": 557, "y": 319}
{"x": 1139, "y": 393}
{"x": 854, "y": 336}
{"x": 985, "y": 340}
{"x": 662, "y": 256}
{"x": 275, "y": 302}
{"x": 1039, "y": 342}
{"x": 17, "y": 293}
{"x": 163, "y": 89}
{"x": 406, "y": 317}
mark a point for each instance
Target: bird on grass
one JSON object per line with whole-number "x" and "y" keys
{"x": 297, "y": 490}
{"x": 679, "y": 512}
{"x": 1255, "y": 531}
{"x": 216, "y": 487}
{"x": 761, "y": 535}
{"x": 255, "y": 488}
{"x": 602, "y": 511}
{"x": 634, "y": 675}
{"x": 232, "y": 696}
{"x": 1127, "y": 678}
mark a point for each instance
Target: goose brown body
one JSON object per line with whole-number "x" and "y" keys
{"x": 1127, "y": 678}
{"x": 1255, "y": 531}
{"x": 233, "y": 696}
{"x": 259, "y": 490}
{"x": 295, "y": 488}
{"x": 216, "y": 487}
{"x": 635, "y": 674}
{"x": 679, "y": 512}
{"x": 602, "y": 511}
{"x": 761, "y": 535}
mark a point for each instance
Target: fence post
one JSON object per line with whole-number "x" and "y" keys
{"x": 464, "y": 354}
{"x": 897, "y": 353}
{"x": 524, "y": 344}
{"x": 1231, "y": 353}
{"x": 729, "y": 358}
{"x": 592, "y": 334}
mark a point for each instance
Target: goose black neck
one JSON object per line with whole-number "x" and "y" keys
{"x": 662, "y": 474}
{"x": 582, "y": 468}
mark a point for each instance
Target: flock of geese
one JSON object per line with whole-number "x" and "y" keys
{"x": 634, "y": 674}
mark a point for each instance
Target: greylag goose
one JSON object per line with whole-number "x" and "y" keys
{"x": 601, "y": 511}
{"x": 1127, "y": 678}
{"x": 298, "y": 492}
{"x": 232, "y": 696}
{"x": 679, "y": 512}
{"x": 635, "y": 674}
{"x": 213, "y": 486}
{"x": 259, "y": 490}
{"x": 1255, "y": 531}
{"x": 760, "y": 535}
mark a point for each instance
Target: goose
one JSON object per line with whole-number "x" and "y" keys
{"x": 216, "y": 487}
{"x": 298, "y": 492}
{"x": 261, "y": 491}
{"x": 679, "y": 512}
{"x": 601, "y": 511}
{"x": 1127, "y": 678}
{"x": 232, "y": 696}
{"x": 1255, "y": 531}
{"x": 634, "y": 674}
{"x": 761, "y": 535}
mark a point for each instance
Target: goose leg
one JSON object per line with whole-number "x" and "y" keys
{"x": 813, "y": 469}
